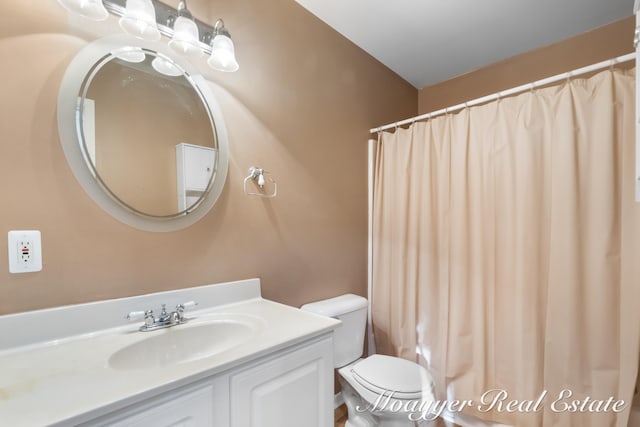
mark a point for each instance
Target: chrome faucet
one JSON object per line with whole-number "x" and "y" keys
{"x": 165, "y": 320}
{"x": 164, "y": 316}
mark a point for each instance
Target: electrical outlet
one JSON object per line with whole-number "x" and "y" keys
{"x": 25, "y": 251}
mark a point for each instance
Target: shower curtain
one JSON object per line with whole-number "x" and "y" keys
{"x": 506, "y": 253}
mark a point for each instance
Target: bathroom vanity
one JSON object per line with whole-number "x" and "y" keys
{"x": 240, "y": 361}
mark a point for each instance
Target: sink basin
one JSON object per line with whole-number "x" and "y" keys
{"x": 183, "y": 343}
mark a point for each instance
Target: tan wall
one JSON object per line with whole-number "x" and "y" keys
{"x": 300, "y": 106}
{"x": 588, "y": 48}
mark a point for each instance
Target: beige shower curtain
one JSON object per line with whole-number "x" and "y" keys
{"x": 506, "y": 251}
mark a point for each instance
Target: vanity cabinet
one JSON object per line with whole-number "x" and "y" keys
{"x": 292, "y": 387}
{"x": 291, "y": 390}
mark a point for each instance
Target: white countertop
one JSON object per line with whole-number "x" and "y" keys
{"x": 67, "y": 380}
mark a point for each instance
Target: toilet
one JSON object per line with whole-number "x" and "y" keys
{"x": 379, "y": 391}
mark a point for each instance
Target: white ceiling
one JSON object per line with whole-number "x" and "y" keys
{"x": 428, "y": 41}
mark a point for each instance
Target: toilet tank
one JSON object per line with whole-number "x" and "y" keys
{"x": 348, "y": 338}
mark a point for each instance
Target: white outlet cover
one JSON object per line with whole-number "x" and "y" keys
{"x": 25, "y": 251}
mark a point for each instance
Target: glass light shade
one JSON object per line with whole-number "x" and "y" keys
{"x": 223, "y": 56}
{"x": 185, "y": 38}
{"x": 92, "y": 9}
{"x": 166, "y": 67}
{"x": 139, "y": 20}
{"x": 130, "y": 54}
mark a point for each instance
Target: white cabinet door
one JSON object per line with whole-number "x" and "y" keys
{"x": 194, "y": 167}
{"x": 295, "y": 389}
{"x": 187, "y": 409}
{"x": 198, "y": 167}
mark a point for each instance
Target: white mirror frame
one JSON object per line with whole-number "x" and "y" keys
{"x": 69, "y": 133}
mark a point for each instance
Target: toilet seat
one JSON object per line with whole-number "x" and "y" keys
{"x": 383, "y": 374}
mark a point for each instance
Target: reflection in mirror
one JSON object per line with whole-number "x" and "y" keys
{"x": 148, "y": 131}
{"x": 142, "y": 119}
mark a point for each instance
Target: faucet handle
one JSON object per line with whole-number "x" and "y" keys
{"x": 186, "y": 306}
{"x": 136, "y": 315}
{"x": 146, "y": 315}
{"x": 181, "y": 308}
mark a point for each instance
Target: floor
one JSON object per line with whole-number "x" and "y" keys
{"x": 341, "y": 416}
{"x": 343, "y": 419}
{"x": 439, "y": 423}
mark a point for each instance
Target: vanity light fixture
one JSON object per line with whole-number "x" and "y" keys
{"x": 186, "y": 37}
{"x": 139, "y": 20}
{"x": 150, "y": 19}
{"x": 223, "y": 55}
{"x": 130, "y": 54}
{"x": 91, "y": 9}
{"x": 166, "y": 67}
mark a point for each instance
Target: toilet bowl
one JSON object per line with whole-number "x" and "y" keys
{"x": 379, "y": 391}
{"x": 386, "y": 391}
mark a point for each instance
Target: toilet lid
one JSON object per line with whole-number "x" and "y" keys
{"x": 382, "y": 374}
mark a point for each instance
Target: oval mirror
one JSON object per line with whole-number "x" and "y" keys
{"x": 142, "y": 133}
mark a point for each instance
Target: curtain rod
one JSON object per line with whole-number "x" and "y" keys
{"x": 509, "y": 92}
